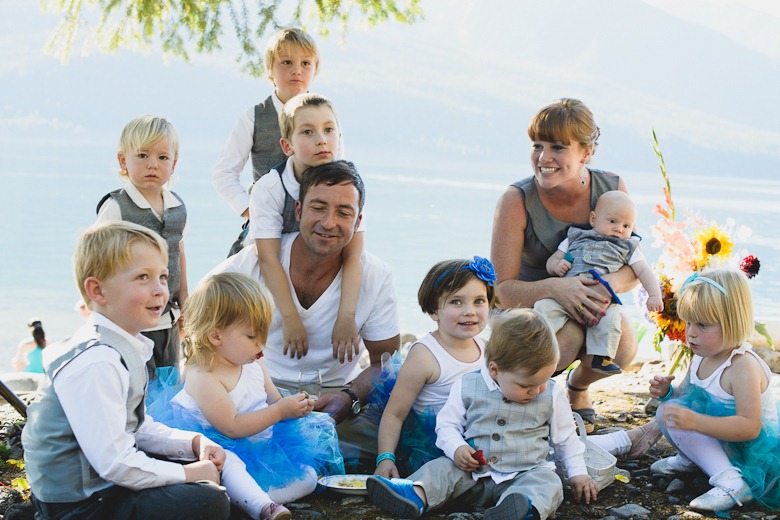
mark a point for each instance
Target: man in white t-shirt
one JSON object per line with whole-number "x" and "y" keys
{"x": 329, "y": 212}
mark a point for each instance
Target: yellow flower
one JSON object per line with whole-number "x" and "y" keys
{"x": 712, "y": 242}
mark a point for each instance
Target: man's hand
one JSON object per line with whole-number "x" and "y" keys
{"x": 337, "y": 404}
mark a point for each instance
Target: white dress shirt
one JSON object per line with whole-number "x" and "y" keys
{"x": 93, "y": 390}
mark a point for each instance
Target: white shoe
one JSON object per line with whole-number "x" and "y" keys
{"x": 673, "y": 465}
{"x": 721, "y": 498}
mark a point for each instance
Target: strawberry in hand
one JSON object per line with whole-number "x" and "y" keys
{"x": 479, "y": 456}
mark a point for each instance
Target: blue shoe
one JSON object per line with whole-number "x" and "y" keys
{"x": 395, "y": 496}
{"x": 513, "y": 507}
{"x": 605, "y": 365}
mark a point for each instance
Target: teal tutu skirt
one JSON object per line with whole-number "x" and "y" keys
{"x": 273, "y": 461}
{"x": 758, "y": 460}
{"x": 417, "y": 444}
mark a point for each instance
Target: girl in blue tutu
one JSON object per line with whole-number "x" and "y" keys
{"x": 457, "y": 294}
{"x": 275, "y": 446}
{"x": 723, "y": 418}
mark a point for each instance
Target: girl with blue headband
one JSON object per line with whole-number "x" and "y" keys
{"x": 457, "y": 295}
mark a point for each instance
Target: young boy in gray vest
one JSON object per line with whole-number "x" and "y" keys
{"x": 311, "y": 136}
{"x": 608, "y": 245}
{"x": 148, "y": 151}
{"x": 90, "y": 450}
{"x": 291, "y": 62}
{"x": 496, "y": 430}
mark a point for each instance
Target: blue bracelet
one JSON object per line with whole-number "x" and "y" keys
{"x": 385, "y": 456}
{"x": 668, "y": 395}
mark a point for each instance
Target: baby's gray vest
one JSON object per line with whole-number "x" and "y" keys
{"x": 514, "y": 436}
{"x": 57, "y": 469}
{"x": 592, "y": 250}
{"x": 171, "y": 228}
{"x": 543, "y": 232}
{"x": 266, "y": 150}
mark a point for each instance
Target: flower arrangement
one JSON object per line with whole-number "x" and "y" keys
{"x": 688, "y": 246}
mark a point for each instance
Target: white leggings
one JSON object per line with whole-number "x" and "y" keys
{"x": 250, "y": 497}
{"x": 704, "y": 451}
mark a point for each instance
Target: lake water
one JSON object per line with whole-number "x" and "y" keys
{"x": 416, "y": 217}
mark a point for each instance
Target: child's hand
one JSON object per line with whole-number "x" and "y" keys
{"x": 655, "y": 303}
{"x": 206, "y": 449}
{"x": 583, "y": 487}
{"x": 463, "y": 459}
{"x": 295, "y": 406}
{"x": 563, "y": 267}
{"x": 680, "y": 417}
{"x": 387, "y": 469}
{"x": 294, "y": 337}
{"x": 659, "y": 386}
{"x": 345, "y": 339}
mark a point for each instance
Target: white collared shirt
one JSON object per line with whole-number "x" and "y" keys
{"x": 451, "y": 424}
{"x": 226, "y": 177}
{"x": 93, "y": 390}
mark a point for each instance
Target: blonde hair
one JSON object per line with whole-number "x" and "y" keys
{"x": 702, "y": 302}
{"x": 145, "y": 131}
{"x": 105, "y": 249}
{"x": 291, "y": 108}
{"x": 285, "y": 37}
{"x": 567, "y": 121}
{"x": 521, "y": 339}
{"x": 223, "y": 300}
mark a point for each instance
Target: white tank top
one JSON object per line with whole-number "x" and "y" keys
{"x": 435, "y": 394}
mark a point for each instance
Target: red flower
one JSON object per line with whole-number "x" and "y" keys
{"x": 750, "y": 266}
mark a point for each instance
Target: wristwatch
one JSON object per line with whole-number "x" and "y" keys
{"x": 356, "y": 407}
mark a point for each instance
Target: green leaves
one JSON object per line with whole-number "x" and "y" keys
{"x": 180, "y": 27}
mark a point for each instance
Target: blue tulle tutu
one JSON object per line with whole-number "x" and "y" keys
{"x": 273, "y": 461}
{"x": 417, "y": 444}
{"x": 759, "y": 459}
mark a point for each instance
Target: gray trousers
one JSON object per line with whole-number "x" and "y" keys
{"x": 443, "y": 481}
{"x": 600, "y": 340}
{"x": 166, "y": 349}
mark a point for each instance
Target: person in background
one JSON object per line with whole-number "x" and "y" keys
{"x": 29, "y": 355}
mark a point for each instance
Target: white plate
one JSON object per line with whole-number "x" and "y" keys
{"x": 333, "y": 482}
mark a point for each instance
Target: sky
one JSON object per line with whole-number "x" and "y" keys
{"x": 450, "y": 95}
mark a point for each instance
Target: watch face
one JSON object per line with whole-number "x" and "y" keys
{"x": 356, "y": 407}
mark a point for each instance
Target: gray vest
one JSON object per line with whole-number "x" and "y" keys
{"x": 171, "y": 228}
{"x": 57, "y": 469}
{"x": 266, "y": 150}
{"x": 514, "y": 436}
{"x": 592, "y": 250}
{"x": 289, "y": 223}
{"x": 543, "y": 233}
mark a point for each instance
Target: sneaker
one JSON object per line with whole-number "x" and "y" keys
{"x": 274, "y": 511}
{"x": 721, "y": 498}
{"x": 513, "y": 507}
{"x": 673, "y": 465}
{"x": 605, "y": 365}
{"x": 396, "y": 496}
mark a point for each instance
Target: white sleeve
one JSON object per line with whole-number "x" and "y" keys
{"x": 109, "y": 212}
{"x": 227, "y": 172}
{"x": 93, "y": 390}
{"x": 564, "y": 246}
{"x": 450, "y": 423}
{"x": 568, "y": 447}
{"x": 382, "y": 321}
{"x": 266, "y": 205}
{"x": 638, "y": 256}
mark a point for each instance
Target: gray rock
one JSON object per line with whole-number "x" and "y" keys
{"x": 462, "y": 516}
{"x": 9, "y": 497}
{"x": 630, "y": 511}
{"x": 675, "y": 486}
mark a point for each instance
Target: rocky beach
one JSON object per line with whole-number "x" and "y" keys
{"x": 620, "y": 402}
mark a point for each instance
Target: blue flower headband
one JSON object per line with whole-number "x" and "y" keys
{"x": 481, "y": 267}
{"x": 695, "y": 277}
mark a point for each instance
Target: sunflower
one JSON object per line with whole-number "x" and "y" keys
{"x": 667, "y": 321}
{"x": 712, "y": 242}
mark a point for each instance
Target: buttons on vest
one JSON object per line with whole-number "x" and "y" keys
{"x": 501, "y": 422}
{"x": 495, "y": 437}
{"x": 493, "y": 459}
